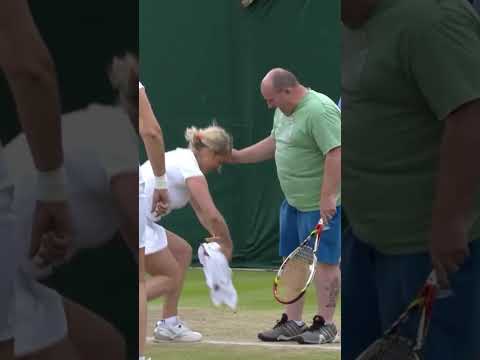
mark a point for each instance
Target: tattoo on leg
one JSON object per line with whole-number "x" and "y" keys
{"x": 334, "y": 289}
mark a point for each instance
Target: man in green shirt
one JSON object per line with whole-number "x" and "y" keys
{"x": 411, "y": 124}
{"x": 305, "y": 142}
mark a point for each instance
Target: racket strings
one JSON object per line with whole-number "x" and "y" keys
{"x": 293, "y": 279}
{"x": 297, "y": 271}
{"x": 305, "y": 254}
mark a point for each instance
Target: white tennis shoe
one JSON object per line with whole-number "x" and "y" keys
{"x": 175, "y": 333}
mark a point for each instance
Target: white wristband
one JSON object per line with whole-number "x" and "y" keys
{"x": 51, "y": 185}
{"x": 161, "y": 182}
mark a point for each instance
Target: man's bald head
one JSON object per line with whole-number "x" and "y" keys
{"x": 281, "y": 89}
{"x": 280, "y": 79}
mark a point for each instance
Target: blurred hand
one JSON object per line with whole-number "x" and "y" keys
{"x": 328, "y": 208}
{"x": 226, "y": 250}
{"x": 448, "y": 249}
{"x": 52, "y": 232}
{"x": 161, "y": 202}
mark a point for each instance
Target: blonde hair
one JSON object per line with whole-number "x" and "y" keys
{"x": 213, "y": 137}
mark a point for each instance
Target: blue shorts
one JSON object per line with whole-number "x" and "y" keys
{"x": 295, "y": 225}
{"x": 376, "y": 289}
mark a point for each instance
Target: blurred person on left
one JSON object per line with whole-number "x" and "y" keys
{"x": 101, "y": 178}
{"x": 30, "y": 73}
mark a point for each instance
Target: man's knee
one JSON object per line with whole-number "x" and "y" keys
{"x": 328, "y": 269}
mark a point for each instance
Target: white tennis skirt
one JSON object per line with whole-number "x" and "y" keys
{"x": 152, "y": 236}
{"x": 39, "y": 316}
{"x": 155, "y": 238}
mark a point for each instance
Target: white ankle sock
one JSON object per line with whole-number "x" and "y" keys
{"x": 171, "y": 321}
{"x": 299, "y": 322}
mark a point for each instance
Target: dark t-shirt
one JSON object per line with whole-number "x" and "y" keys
{"x": 404, "y": 72}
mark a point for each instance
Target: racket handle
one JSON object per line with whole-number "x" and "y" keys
{"x": 441, "y": 293}
{"x": 432, "y": 278}
{"x": 321, "y": 226}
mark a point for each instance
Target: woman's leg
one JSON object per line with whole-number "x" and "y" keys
{"x": 64, "y": 349}
{"x": 6, "y": 349}
{"x": 89, "y": 337}
{"x": 182, "y": 252}
{"x": 164, "y": 273}
{"x": 92, "y": 336}
{"x": 168, "y": 275}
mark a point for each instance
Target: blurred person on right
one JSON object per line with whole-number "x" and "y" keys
{"x": 476, "y": 4}
{"x": 411, "y": 184}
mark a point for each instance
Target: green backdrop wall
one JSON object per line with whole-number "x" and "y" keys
{"x": 204, "y": 60}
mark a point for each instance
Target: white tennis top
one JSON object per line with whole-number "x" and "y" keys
{"x": 99, "y": 142}
{"x": 180, "y": 164}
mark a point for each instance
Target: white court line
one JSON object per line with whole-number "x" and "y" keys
{"x": 199, "y": 267}
{"x": 259, "y": 343}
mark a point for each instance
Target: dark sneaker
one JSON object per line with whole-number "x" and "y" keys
{"x": 318, "y": 333}
{"x": 283, "y": 330}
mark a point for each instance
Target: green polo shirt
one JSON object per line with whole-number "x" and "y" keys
{"x": 301, "y": 142}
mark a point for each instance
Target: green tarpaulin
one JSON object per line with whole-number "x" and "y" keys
{"x": 204, "y": 60}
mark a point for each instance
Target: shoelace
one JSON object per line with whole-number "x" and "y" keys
{"x": 282, "y": 321}
{"x": 318, "y": 323}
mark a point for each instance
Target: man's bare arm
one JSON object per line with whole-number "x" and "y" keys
{"x": 261, "y": 151}
{"x": 458, "y": 183}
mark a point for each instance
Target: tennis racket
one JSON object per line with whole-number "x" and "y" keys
{"x": 297, "y": 270}
{"x": 393, "y": 346}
